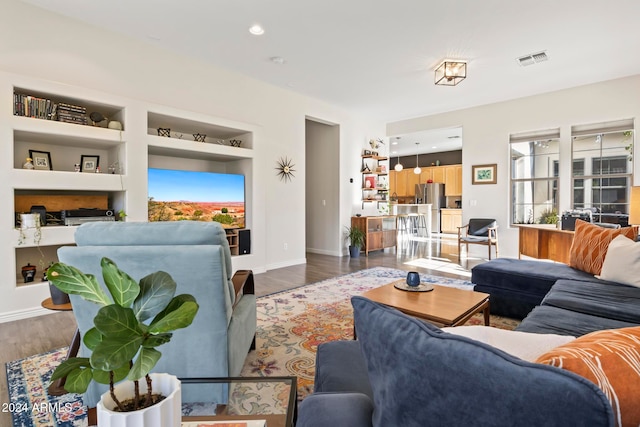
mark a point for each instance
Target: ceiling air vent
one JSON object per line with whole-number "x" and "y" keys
{"x": 534, "y": 58}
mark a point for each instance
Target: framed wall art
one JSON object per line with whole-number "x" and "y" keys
{"x": 484, "y": 174}
{"x": 89, "y": 163}
{"x": 41, "y": 160}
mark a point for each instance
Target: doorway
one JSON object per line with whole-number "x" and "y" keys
{"x": 322, "y": 187}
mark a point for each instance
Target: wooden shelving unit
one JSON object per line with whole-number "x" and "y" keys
{"x": 375, "y": 184}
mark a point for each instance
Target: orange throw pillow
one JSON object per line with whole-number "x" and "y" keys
{"x": 611, "y": 360}
{"x": 590, "y": 244}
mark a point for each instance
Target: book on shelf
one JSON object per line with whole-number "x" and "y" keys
{"x": 72, "y": 108}
{"x": 33, "y": 106}
{"x": 72, "y": 118}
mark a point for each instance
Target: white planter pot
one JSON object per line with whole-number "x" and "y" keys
{"x": 167, "y": 413}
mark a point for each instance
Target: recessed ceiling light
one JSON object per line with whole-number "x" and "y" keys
{"x": 434, "y": 146}
{"x": 394, "y": 143}
{"x": 277, "y": 60}
{"x": 256, "y": 30}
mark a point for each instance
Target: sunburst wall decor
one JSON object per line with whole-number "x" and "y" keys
{"x": 285, "y": 169}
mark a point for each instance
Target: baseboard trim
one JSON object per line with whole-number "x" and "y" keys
{"x": 23, "y": 314}
{"x": 286, "y": 264}
{"x": 323, "y": 252}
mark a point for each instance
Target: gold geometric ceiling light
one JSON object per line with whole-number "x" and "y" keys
{"x": 450, "y": 73}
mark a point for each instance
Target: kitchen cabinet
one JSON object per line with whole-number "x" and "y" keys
{"x": 433, "y": 173}
{"x": 403, "y": 183}
{"x": 412, "y": 180}
{"x": 450, "y": 220}
{"x": 398, "y": 183}
{"x": 453, "y": 180}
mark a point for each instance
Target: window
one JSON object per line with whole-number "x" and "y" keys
{"x": 534, "y": 177}
{"x": 602, "y": 170}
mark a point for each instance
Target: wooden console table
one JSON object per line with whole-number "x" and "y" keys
{"x": 542, "y": 242}
{"x": 380, "y": 231}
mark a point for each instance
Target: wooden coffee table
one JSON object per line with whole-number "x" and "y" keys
{"x": 443, "y": 306}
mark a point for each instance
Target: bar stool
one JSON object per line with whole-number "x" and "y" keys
{"x": 403, "y": 223}
{"x": 413, "y": 223}
{"x": 421, "y": 224}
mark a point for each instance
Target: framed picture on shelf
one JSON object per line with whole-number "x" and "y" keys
{"x": 484, "y": 174}
{"x": 89, "y": 163}
{"x": 370, "y": 182}
{"x": 41, "y": 160}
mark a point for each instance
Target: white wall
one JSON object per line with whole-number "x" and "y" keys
{"x": 486, "y": 131}
{"x": 46, "y": 46}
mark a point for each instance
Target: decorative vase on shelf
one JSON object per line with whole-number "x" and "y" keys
{"x": 28, "y": 273}
{"x": 28, "y": 163}
{"x": 114, "y": 124}
{"x": 29, "y": 220}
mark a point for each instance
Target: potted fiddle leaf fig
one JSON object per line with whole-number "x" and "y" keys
{"x": 136, "y": 318}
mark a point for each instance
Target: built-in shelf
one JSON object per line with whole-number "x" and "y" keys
{"x": 180, "y": 128}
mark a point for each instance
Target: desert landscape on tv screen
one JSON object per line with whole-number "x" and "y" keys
{"x": 196, "y": 196}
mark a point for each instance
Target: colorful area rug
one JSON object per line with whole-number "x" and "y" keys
{"x": 291, "y": 324}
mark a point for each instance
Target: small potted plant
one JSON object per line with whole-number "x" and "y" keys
{"x": 548, "y": 216}
{"x": 129, "y": 326}
{"x": 356, "y": 238}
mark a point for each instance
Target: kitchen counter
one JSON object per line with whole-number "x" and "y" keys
{"x": 407, "y": 208}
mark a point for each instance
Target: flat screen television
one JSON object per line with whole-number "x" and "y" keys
{"x": 177, "y": 195}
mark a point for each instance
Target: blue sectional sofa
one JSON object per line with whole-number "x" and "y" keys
{"x": 517, "y": 286}
{"x": 555, "y": 298}
{"x": 403, "y": 372}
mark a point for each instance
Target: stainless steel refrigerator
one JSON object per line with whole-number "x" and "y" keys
{"x": 432, "y": 194}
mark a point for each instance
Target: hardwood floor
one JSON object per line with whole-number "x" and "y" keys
{"x": 438, "y": 256}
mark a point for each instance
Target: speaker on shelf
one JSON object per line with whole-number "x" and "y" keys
{"x": 42, "y": 211}
{"x": 244, "y": 241}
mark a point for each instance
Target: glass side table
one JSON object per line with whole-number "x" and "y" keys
{"x": 274, "y": 399}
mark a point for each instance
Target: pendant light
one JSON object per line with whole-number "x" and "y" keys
{"x": 417, "y": 170}
{"x": 398, "y": 167}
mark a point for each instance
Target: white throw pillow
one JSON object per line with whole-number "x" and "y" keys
{"x": 524, "y": 345}
{"x": 622, "y": 262}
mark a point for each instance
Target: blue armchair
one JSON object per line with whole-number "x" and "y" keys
{"x": 404, "y": 372}
{"x": 196, "y": 255}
